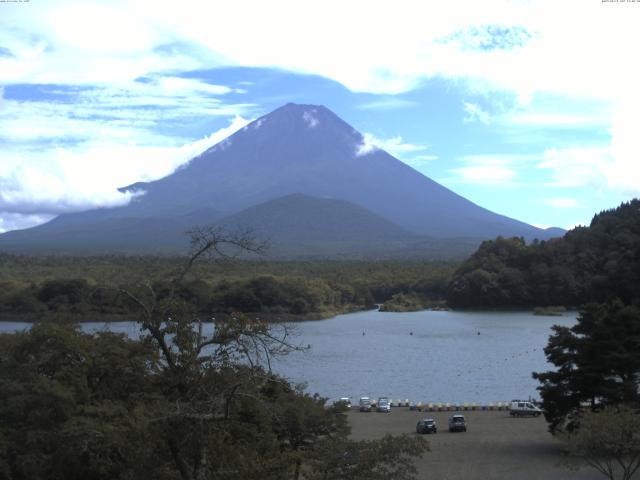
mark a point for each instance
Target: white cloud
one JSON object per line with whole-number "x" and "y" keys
{"x": 492, "y": 169}
{"x": 577, "y": 167}
{"x": 420, "y": 162}
{"x": 395, "y": 146}
{"x": 17, "y": 221}
{"x": 386, "y": 104}
{"x": 571, "y": 49}
{"x": 475, "y": 113}
{"x": 555, "y": 119}
{"x": 623, "y": 173}
{"x": 309, "y": 119}
{"x": 562, "y": 202}
{"x": 113, "y": 113}
{"x": 500, "y": 158}
{"x": 88, "y": 174}
{"x": 73, "y": 153}
{"x": 425, "y": 158}
{"x": 600, "y": 168}
{"x": 521, "y": 46}
{"x": 367, "y": 145}
{"x": 551, "y": 112}
{"x": 485, "y": 175}
{"x": 574, "y": 48}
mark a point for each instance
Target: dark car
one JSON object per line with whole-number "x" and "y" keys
{"x": 365, "y": 404}
{"x": 427, "y": 425}
{"x": 457, "y": 423}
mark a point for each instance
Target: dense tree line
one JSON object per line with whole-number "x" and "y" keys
{"x": 589, "y": 264}
{"x": 87, "y": 287}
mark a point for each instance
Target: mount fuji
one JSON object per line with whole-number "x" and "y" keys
{"x": 299, "y": 176}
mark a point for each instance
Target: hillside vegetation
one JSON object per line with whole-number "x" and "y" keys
{"x": 589, "y": 264}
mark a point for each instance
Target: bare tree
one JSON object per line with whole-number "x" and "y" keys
{"x": 176, "y": 327}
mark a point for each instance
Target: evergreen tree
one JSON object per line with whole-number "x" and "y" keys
{"x": 597, "y": 360}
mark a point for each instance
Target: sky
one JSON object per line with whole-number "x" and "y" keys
{"x": 528, "y": 108}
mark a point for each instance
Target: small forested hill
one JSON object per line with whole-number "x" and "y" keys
{"x": 588, "y": 264}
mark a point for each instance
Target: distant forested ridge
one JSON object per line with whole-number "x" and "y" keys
{"x": 588, "y": 264}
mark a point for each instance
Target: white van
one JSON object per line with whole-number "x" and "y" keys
{"x": 523, "y": 408}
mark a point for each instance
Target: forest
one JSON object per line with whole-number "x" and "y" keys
{"x": 588, "y": 264}
{"x": 85, "y": 288}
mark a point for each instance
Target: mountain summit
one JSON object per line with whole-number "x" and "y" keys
{"x": 296, "y": 149}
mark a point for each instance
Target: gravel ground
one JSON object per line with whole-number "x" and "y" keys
{"x": 495, "y": 446}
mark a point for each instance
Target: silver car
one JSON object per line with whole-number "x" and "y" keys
{"x": 384, "y": 405}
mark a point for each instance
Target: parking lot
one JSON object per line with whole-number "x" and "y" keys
{"x": 495, "y": 446}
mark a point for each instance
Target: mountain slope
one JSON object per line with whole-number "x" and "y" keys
{"x": 98, "y": 232}
{"x": 297, "y": 149}
{"x": 308, "y": 149}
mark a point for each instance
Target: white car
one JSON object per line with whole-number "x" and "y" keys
{"x": 522, "y": 408}
{"x": 384, "y": 405}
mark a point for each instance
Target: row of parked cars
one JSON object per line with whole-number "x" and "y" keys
{"x": 382, "y": 405}
{"x": 457, "y": 422}
{"x": 517, "y": 408}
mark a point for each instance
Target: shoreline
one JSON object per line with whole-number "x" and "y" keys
{"x": 269, "y": 317}
{"x": 113, "y": 318}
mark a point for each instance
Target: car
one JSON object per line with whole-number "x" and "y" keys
{"x": 427, "y": 425}
{"x": 384, "y": 405}
{"x": 523, "y": 408}
{"x": 365, "y": 404}
{"x": 457, "y": 423}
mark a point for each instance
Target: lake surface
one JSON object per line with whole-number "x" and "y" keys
{"x": 424, "y": 356}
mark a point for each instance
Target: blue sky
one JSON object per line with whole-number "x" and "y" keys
{"x": 529, "y": 108}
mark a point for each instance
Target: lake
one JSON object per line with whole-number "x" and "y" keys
{"x": 423, "y": 356}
